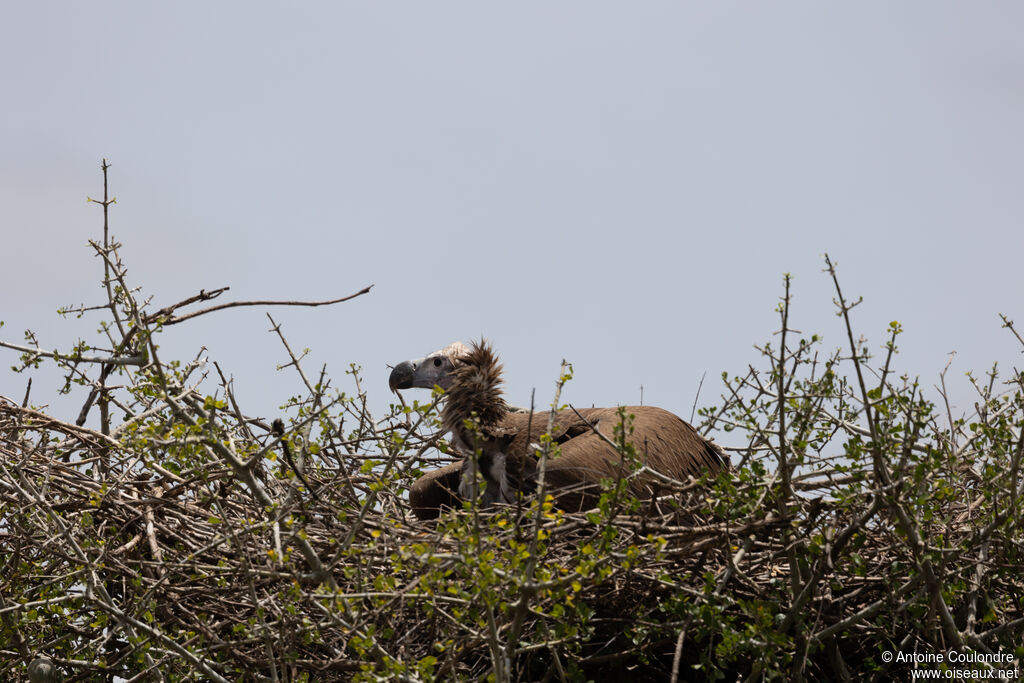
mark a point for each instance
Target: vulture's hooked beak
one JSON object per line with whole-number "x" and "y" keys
{"x": 402, "y": 376}
{"x": 423, "y": 373}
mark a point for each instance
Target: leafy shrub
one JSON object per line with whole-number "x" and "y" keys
{"x": 183, "y": 540}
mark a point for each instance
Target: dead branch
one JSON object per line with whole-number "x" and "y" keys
{"x": 165, "y": 318}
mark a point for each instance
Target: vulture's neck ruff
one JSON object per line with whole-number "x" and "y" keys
{"x": 475, "y": 394}
{"x": 473, "y": 412}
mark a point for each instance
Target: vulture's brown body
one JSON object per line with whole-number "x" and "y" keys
{"x": 507, "y": 441}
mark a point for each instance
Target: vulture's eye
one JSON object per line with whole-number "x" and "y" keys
{"x": 437, "y": 362}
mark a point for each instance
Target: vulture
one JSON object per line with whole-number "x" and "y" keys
{"x": 505, "y": 439}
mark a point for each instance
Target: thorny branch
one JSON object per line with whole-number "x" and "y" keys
{"x": 183, "y": 540}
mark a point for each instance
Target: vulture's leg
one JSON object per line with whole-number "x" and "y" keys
{"x": 491, "y": 463}
{"x": 495, "y": 482}
{"x": 435, "y": 489}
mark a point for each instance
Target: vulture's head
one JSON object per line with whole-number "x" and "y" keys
{"x": 473, "y": 413}
{"x": 470, "y": 376}
{"x": 433, "y": 369}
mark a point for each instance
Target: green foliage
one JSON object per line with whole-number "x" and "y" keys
{"x": 183, "y": 537}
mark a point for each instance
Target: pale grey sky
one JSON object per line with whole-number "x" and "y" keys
{"x": 619, "y": 184}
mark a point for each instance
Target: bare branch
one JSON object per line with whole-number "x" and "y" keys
{"x": 175, "y": 319}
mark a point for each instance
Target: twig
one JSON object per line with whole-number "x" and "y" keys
{"x": 175, "y": 319}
